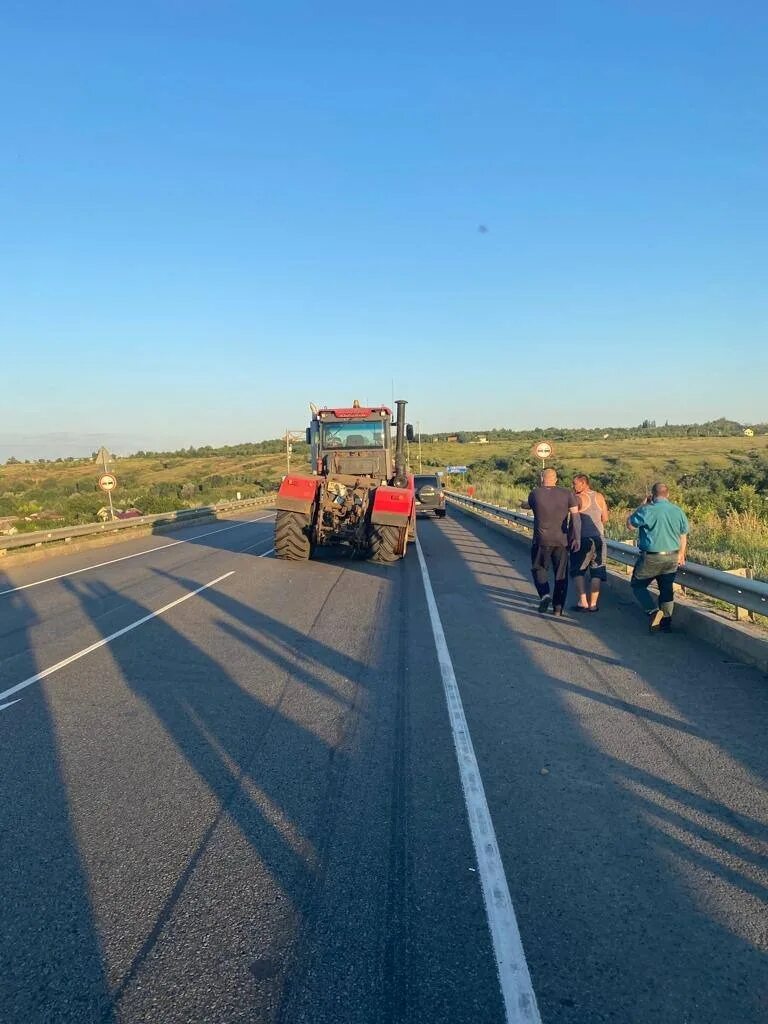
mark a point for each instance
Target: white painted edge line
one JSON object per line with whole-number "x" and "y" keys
{"x": 136, "y": 554}
{"x": 9, "y": 704}
{"x": 108, "y": 639}
{"x": 514, "y": 977}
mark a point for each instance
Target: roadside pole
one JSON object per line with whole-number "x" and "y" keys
{"x": 107, "y": 481}
{"x": 290, "y": 437}
{"x": 418, "y": 428}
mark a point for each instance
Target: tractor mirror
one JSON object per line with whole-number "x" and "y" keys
{"x": 309, "y": 436}
{"x": 409, "y": 431}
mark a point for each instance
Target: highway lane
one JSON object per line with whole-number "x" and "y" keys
{"x": 42, "y": 618}
{"x": 626, "y": 774}
{"x": 248, "y": 808}
{"x": 208, "y": 819}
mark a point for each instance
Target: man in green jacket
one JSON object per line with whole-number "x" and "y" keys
{"x": 663, "y": 536}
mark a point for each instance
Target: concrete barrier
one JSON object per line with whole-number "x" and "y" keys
{"x": 32, "y": 547}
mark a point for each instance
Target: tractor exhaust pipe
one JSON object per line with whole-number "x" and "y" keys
{"x": 401, "y": 476}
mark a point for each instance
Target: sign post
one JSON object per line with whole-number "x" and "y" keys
{"x": 290, "y": 437}
{"x": 543, "y": 450}
{"x": 107, "y": 481}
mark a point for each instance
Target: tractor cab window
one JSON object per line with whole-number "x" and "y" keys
{"x": 365, "y": 434}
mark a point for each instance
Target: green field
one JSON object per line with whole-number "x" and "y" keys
{"x": 48, "y": 494}
{"x": 722, "y": 482}
{"x": 645, "y": 457}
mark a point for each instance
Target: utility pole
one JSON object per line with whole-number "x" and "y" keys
{"x": 418, "y": 428}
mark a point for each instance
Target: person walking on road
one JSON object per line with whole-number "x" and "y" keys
{"x": 590, "y": 557}
{"x": 556, "y": 526}
{"x": 663, "y": 536}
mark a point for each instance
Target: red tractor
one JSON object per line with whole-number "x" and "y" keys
{"x": 359, "y": 494}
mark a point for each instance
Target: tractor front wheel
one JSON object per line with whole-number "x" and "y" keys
{"x": 292, "y": 539}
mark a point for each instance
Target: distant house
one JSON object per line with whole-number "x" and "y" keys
{"x": 7, "y": 529}
{"x": 749, "y": 432}
{"x": 454, "y": 438}
{"x": 46, "y": 514}
{"x": 120, "y": 513}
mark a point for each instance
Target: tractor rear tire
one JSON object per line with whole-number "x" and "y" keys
{"x": 385, "y": 542}
{"x": 292, "y": 536}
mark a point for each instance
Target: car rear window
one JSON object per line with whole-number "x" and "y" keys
{"x": 420, "y": 481}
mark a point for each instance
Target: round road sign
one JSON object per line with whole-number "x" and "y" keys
{"x": 543, "y": 450}
{"x": 107, "y": 482}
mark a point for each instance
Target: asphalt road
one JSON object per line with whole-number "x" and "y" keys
{"x": 248, "y": 807}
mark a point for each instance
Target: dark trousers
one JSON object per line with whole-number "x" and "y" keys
{"x": 652, "y": 566}
{"x": 542, "y": 557}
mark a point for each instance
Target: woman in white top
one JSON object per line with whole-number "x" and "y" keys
{"x": 590, "y": 558}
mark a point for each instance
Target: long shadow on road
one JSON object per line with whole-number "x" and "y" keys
{"x": 268, "y": 775}
{"x": 627, "y": 788}
{"x": 49, "y": 947}
{"x": 238, "y": 758}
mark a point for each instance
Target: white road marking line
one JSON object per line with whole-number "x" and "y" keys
{"x": 136, "y": 554}
{"x": 108, "y": 639}
{"x": 515, "y": 980}
{"x": 264, "y": 540}
{"x": 10, "y": 702}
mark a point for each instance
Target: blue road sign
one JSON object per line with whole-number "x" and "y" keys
{"x": 455, "y": 469}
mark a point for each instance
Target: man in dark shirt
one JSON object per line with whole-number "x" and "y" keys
{"x": 556, "y": 526}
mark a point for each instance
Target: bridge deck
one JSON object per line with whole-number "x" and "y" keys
{"x": 247, "y": 808}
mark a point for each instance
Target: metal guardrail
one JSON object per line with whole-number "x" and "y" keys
{"x": 735, "y": 590}
{"x": 38, "y": 538}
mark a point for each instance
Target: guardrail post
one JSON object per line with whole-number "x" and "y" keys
{"x": 742, "y": 614}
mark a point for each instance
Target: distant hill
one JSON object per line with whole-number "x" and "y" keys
{"x": 721, "y": 427}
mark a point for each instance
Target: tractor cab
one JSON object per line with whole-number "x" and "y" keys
{"x": 352, "y": 442}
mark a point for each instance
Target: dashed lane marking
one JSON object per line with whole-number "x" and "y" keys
{"x": 108, "y": 639}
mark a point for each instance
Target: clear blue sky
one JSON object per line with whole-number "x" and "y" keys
{"x": 215, "y": 212}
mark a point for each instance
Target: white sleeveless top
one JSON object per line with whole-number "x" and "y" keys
{"x": 591, "y": 521}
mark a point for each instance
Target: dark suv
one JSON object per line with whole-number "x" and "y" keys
{"x": 429, "y": 494}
